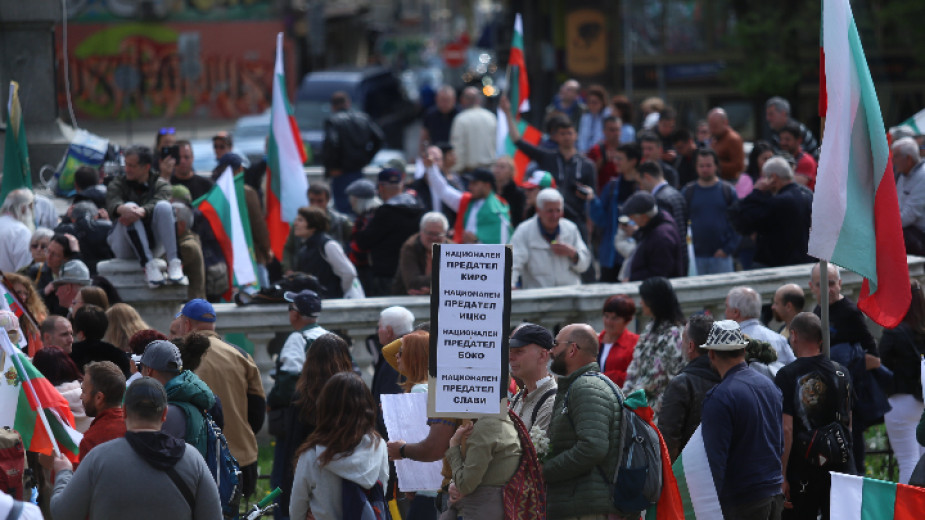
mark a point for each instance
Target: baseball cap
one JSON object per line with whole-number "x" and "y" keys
{"x": 390, "y": 175}
{"x": 199, "y": 310}
{"x": 531, "y": 334}
{"x": 539, "y": 179}
{"x": 163, "y": 356}
{"x": 230, "y": 159}
{"x": 145, "y": 392}
{"x": 361, "y": 189}
{"x": 725, "y": 335}
{"x": 306, "y": 301}
{"x": 481, "y": 174}
{"x": 397, "y": 163}
{"x": 74, "y": 271}
{"x": 181, "y": 193}
{"x": 639, "y": 203}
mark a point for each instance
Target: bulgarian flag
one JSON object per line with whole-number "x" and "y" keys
{"x": 519, "y": 92}
{"x": 915, "y": 123}
{"x": 16, "y": 173}
{"x": 856, "y": 221}
{"x": 30, "y": 405}
{"x": 860, "y": 498}
{"x": 699, "y": 499}
{"x": 230, "y": 223}
{"x": 287, "y": 184}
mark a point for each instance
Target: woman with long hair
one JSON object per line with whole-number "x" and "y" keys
{"x": 61, "y": 371}
{"x": 124, "y": 322}
{"x": 901, "y": 349}
{"x": 328, "y": 355}
{"x": 344, "y": 447}
{"x": 22, "y": 287}
{"x": 617, "y": 342}
{"x": 657, "y": 356}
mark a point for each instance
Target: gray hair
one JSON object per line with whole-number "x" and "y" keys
{"x": 780, "y": 104}
{"x": 435, "y": 216}
{"x": 777, "y": 166}
{"x": 16, "y": 200}
{"x": 745, "y": 300}
{"x": 906, "y": 147}
{"x": 399, "y": 318}
{"x": 40, "y": 233}
{"x": 83, "y": 209}
{"x": 548, "y": 195}
{"x": 364, "y": 206}
{"x": 183, "y": 214}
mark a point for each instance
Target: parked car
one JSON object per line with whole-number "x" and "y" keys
{"x": 373, "y": 90}
{"x": 250, "y": 136}
{"x": 204, "y": 160}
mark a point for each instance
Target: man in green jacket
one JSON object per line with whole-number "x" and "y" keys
{"x": 584, "y": 432}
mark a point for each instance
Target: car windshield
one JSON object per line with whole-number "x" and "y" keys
{"x": 310, "y": 115}
{"x": 252, "y": 130}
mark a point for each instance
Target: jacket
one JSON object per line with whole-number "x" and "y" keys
{"x": 387, "y": 230}
{"x": 900, "y": 351}
{"x": 189, "y": 249}
{"x": 568, "y": 173}
{"x": 619, "y": 357}
{"x": 581, "y": 441}
{"x": 412, "y": 267}
{"x": 682, "y": 403}
{"x": 122, "y": 190}
{"x": 670, "y": 200}
{"x": 91, "y": 235}
{"x": 128, "y": 474}
{"x": 782, "y": 222}
{"x": 534, "y": 261}
{"x": 189, "y": 395}
{"x": 658, "y": 252}
{"x": 351, "y": 140}
{"x": 108, "y": 424}
{"x": 656, "y": 359}
{"x": 317, "y": 488}
{"x": 492, "y": 455}
{"x": 312, "y": 259}
{"x": 525, "y": 406}
{"x": 83, "y": 352}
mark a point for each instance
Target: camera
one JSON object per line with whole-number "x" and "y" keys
{"x": 171, "y": 151}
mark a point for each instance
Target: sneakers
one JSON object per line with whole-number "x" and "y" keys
{"x": 175, "y": 272}
{"x": 153, "y": 274}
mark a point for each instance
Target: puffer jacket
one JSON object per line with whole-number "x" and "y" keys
{"x": 194, "y": 396}
{"x": 580, "y": 441}
{"x": 682, "y": 403}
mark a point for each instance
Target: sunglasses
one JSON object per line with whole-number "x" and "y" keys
{"x": 38, "y": 246}
{"x": 167, "y": 130}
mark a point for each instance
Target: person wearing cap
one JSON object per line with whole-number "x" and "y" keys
{"x": 742, "y": 430}
{"x": 548, "y": 249}
{"x": 658, "y": 244}
{"x": 140, "y": 204}
{"x": 390, "y": 226}
{"x": 481, "y": 216}
{"x": 472, "y": 133}
{"x": 537, "y": 180}
{"x": 138, "y": 476}
{"x": 304, "y": 310}
{"x": 74, "y": 275}
{"x": 187, "y": 394}
{"x": 351, "y": 140}
{"x": 233, "y": 376}
{"x": 90, "y": 324}
{"x": 101, "y": 393}
{"x": 682, "y": 402}
{"x": 817, "y": 392}
{"x": 183, "y": 174}
{"x": 529, "y": 348}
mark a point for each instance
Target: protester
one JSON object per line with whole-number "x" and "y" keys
{"x": 616, "y": 341}
{"x": 682, "y": 402}
{"x": 74, "y": 276}
{"x": 344, "y": 447}
{"x": 777, "y": 114}
{"x": 481, "y": 216}
{"x": 530, "y": 347}
{"x": 351, "y": 140}
{"x": 394, "y": 322}
{"x": 91, "y": 227}
{"x": 503, "y": 169}
{"x": 101, "y": 393}
{"x": 415, "y": 260}
{"x": 57, "y": 332}
{"x": 63, "y": 374}
{"x": 89, "y": 295}
{"x": 90, "y": 324}
{"x": 16, "y": 226}
{"x": 438, "y": 119}
{"x": 743, "y": 305}
{"x": 32, "y": 302}
{"x": 591, "y": 123}
{"x": 472, "y": 132}
{"x": 659, "y": 250}
{"x": 124, "y": 322}
{"x": 708, "y": 200}
{"x": 789, "y": 301}
{"x": 728, "y": 145}
{"x": 567, "y": 102}
{"x": 146, "y": 468}
{"x": 657, "y": 356}
{"x": 61, "y": 249}
{"x": 38, "y": 245}
{"x": 320, "y": 255}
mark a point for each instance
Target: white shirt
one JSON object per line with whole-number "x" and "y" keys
{"x": 754, "y": 329}
{"x": 472, "y": 135}
{"x": 14, "y": 244}
{"x": 910, "y": 189}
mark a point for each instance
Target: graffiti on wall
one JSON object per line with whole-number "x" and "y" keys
{"x": 156, "y": 70}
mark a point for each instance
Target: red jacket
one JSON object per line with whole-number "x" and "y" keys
{"x": 108, "y": 425}
{"x": 619, "y": 357}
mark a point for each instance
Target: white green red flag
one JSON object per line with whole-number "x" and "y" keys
{"x": 519, "y": 94}
{"x": 699, "y": 499}
{"x": 915, "y": 123}
{"x": 33, "y": 407}
{"x": 287, "y": 184}
{"x": 860, "y": 498}
{"x": 16, "y": 173}
{"x": 223, "y": 207}
{"x": 856, "y": 222}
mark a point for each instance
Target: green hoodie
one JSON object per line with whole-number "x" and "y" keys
{"x": 189, "y": 393}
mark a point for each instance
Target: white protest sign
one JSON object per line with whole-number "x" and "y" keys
{"x": 470, "y": 315}
{"x": 405, "y": 417}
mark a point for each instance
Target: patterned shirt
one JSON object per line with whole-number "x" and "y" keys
{"x": 656, "y": 359}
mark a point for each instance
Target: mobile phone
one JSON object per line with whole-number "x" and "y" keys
{"x": 171, "y": 151}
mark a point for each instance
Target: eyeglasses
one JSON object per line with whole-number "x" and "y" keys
{"x": 557, "y": 343}
{"x": 39, "y": 245}
{"x": 167, "y": 130}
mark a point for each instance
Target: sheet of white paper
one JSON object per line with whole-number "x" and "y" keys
{"x": 405, "y": 417}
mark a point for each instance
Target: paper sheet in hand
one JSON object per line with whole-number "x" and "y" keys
{"x": 405, "y": 417}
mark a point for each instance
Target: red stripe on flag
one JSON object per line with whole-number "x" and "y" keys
{"x": 823, "y": 93}
{"x": 297, "y": 138}
{"x": 910, "y": 502}
{"x": 224, "y": 241}
{"x": 533, "y": 136}
{"x": 277, "y": 227}
{"x": 889, "y": 304}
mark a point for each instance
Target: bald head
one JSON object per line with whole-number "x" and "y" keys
{"x": 717, "y": 122}
{"x": 585, "y": 338}
{"x": 470, "y": 97}
{"x": 788, "y": 301}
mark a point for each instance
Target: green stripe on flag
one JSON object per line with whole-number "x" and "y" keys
{"x": 678, "y": 469}
{"x": 877, "y": 499}
{"x": 25, "y": 416}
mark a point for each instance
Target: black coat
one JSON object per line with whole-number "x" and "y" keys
{"x": 682, "y": 402}
{"x": 384, "y": 234}
{"x": 658, "y": 250}
{"x": 782, "y": 222}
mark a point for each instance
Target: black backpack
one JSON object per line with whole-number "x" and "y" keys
{"x": 828, "y": 446}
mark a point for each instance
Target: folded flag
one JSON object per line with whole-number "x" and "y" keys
{"x": 861, "y": 498}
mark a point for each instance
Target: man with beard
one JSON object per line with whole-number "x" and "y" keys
{"x": 16, "y": 224}
{"x": 788, "y": 302}
{"x": 101, "y": 394}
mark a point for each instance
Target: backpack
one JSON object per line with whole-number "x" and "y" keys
{"x": 12, "y": 463}
{"x": 524, "y": 493}
{"x": 636, "y": 484}
{"x": 222, "y": 464}
{"x": 829, "y": 446}
{"x": 363, "y": 504}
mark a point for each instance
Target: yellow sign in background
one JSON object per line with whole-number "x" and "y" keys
{"x": 585, "y": 42}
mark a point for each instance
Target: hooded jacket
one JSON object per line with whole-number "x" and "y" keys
{"x": 188, "y": 394}
{"x": 390, "y": 227}
{"x": 317, "y": 488}
{"x": 659, "y": 250}
{"x": 682, "y": 402}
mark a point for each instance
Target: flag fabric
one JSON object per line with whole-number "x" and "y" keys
{"x": 699, "y": 499}
{"x": 229, "y": 222}
{"x": 915, "y": 123}
{"x": 33, "y": 407}
{"x": 287, "y": 184}
{"x": 519, "y": 94}
{"x": 860, "y": 498}
{"x": 856, "y": 221}
{"x": 669, "y": 506}
{"x": 16, "y": 172}
{"x": 9, "y": 302}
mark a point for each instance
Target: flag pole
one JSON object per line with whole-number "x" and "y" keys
{"x": 8, "y": 347}
{"x": 824, "y": 305}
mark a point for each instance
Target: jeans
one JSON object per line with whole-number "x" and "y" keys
{"x": 163, "y": 228}
{"x": 900, "y": 428}
{"x": 765, "y": 509}
{"x": 713, "y": 265}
